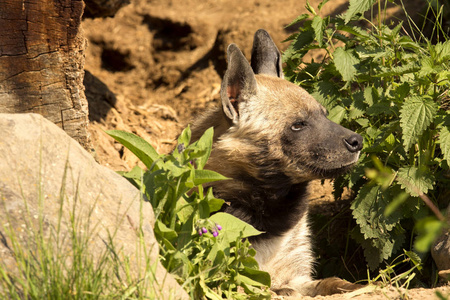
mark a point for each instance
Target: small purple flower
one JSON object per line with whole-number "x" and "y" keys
{"x": 204, "y": 230}
{"x": 215, "y": 233}
{"x": 218, "y": 227}
{"x": 200, "y": 232}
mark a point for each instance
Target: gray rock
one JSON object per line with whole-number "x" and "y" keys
{"x": 440, "y": 251}
{"x": 47, "y": 179}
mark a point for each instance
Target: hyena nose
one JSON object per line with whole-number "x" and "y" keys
{"x": 354, "y": 143}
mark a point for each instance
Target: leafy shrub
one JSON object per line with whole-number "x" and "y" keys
{"x": 392, "y": 89}
{"x": 207, "y": 254}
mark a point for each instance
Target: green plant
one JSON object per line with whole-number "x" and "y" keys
{"x": 208, "y": 255}
{"x": 393, "y": 90}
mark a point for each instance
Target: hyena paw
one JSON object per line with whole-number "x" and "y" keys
{"x": 334, "y": 285}
{"x": 285, "y": 291}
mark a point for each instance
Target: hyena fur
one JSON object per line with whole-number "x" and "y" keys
{"x": 272, "y": 138}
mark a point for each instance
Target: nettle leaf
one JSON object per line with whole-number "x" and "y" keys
{"x": 303, "y": 39}
{"x": 363, "y": 212}
{"x": 399, "y": 70}
{"x": 415, "y": 180}
{"x": 444, "y": 142}
{"x": 378, "y": 249}
{"x": 321, "y": 4}
{"x": 357, "y": 7}
{"x": 318, "y": 25}
{"x": 345, "y": 62}
{"x": 368, "y": 210}
{"x": 442, "y": 51}
{"x": 427, "y": 67}
{"x": 297, "y": 20}
{"x": 416, "y": 115}
{"x": 337, "y": 114}
{"x": 356, "y": 31}
{"x": 325, "y": 92}
{"x": 358, "y": 107}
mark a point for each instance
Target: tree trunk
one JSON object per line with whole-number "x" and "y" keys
{"x": 41, "y": 62}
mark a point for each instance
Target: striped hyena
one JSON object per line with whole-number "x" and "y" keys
{"x": 271, "y": 138}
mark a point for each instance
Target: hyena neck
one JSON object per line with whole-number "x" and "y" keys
{"x": 273, "y": 209}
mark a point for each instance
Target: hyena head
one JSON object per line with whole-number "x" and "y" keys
{"x": 274, "y": 129}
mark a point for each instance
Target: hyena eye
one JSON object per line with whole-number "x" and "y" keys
{"x": 297, "y": 126}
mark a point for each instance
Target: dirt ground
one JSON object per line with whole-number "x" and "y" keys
{"x": 157, "y": 64}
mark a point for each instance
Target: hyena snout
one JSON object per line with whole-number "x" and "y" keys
{"x": 354, "y": 142}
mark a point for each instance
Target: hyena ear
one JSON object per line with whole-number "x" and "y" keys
{"x": 266, "y": 58}
{"x": 238, "y": 83}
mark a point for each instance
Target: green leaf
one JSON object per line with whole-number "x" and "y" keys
{"x": 321, "y": 4}
{"x": 398, "y": 200}
{"x": 175, "y": 168}
{"x": 135, "y": 176}
{"x": 163, "y": 231}
{"x": 318, "y": 25}
{"x": 363, "y": 210}
{"x": 415, "y": 259}
{"x": 357, "y": 7}
{"x": 428, "y": 230}
{"x": 254, "y": 277}
{"x": 398, "y": 71}
{"x": 185, "y": 137}
{"x": 204, "y": 144}
{"x": 444, "y": 142}
{"x": 427, "y": 67}
{"x": 415, "y": 180}
{"x": 297, "y": 20}
{"x": 140, "y": 147}
{"x": 368, "y": 210}
{"x": 203, "y": 209}
{"x": 378, "y": 249}
{"x": 337, "y": 114}
{"x": 214, "y": 203}
{"x": 232, "y": 227}
{"x": 303, "y": 39}
{"x": 310, "y": 8}
{"x": 356, "y": 31}
{"x": 185, "y": 209}
{"x": 345, "y": 62}
{"x": 209, "y": 293}
{"x": 443, "y": 52}
{"x": 415, "y": 116}
{"x": 205, "y": 176}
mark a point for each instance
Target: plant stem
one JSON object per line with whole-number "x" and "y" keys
{"x": 433, "y": 207}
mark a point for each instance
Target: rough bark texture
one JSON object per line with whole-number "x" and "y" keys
{"x": 41, "y": 62}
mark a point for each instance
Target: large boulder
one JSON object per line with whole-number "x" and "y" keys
{"x": 51, "y": 187}
{"x": 440, "y": 251}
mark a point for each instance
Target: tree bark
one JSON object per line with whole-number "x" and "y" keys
{"x": 42, "y": 60}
